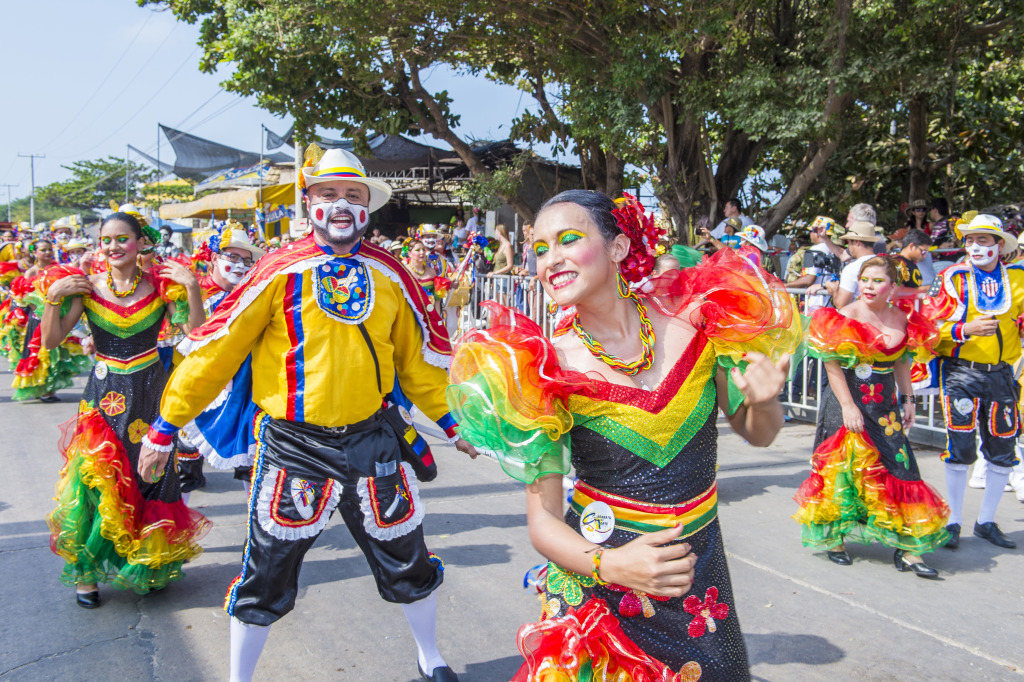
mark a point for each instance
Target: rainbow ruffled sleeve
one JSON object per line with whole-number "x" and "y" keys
{"x": 922, "y": 336}
{"x": 509, "y": 395}
{"x": 834, "y": 337}
{"x": 170, "y": 291}
{"x": 740, "y": 308}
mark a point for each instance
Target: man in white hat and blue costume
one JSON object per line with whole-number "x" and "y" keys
{"x": 980, "y": 343}
{"x": 330, "y": 321}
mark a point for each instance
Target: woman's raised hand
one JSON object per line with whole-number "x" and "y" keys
{"x": 72, "y": 285}
{"x": 176, "y": 272}
{"x": 763, "y": 379}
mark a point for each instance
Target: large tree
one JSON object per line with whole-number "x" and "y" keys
{"x": 358, "y": 67}
{"x": 704, "y": 98}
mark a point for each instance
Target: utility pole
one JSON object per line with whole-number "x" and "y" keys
{"x": 159, "y": 170}
{"x": 32, "y": 198}
{"x": 127, "y": 148}
{"x": 259, "y": 193}
{"x": 8, "y": 200}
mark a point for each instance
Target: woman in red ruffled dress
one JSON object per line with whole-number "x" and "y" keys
{"x": 40, "y": 372}
{"x": 109, "y": 524}
{"x": 637, "y": 587}
{"x": 864, "y": 484}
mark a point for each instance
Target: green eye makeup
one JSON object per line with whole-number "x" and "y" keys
{"x": 540, "y": 248}
{"x": 570, "y": 236}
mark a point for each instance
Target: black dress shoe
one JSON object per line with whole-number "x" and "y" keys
{"x": 954, "y": 536}
{"x": 839, "y": 557}
{"x": 920, "y": 569}
{"x": 440, "y": 674}
{"x": 88, "y": 600}
{"x": 990, "y": 531}
{"x": 50, "y": 399}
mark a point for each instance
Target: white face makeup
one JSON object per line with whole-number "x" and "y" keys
{"x": 982, "y": 255}
{"x": 232, "y": 272}
{"x": 342, "y": 221}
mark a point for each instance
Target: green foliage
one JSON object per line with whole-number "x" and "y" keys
{"x": 94, "y": 184}
{"x": 788, "y": 103}
{"x": 486, "y": 191}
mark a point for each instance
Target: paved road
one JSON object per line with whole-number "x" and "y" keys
{"x": 804, "y": 618}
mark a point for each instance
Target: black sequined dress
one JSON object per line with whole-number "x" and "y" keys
{"x": 109, "y": 524}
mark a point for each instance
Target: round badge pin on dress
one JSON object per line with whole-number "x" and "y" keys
{"x": 597, "y": 522}
{"x": 863, "y": 370}
{"x": 100, "y": 370}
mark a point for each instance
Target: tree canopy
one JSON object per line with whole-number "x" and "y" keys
{"x": 94, "y": 184}
{"x": 797, "y": 104}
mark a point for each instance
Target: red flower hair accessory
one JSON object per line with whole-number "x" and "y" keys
{"x": 643, "y": 237}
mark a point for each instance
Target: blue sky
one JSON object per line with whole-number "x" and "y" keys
{"x": 84, "y": 78}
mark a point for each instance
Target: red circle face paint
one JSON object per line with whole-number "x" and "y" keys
{"x": 362, "y": 216}
{"x": 319, "y": 214}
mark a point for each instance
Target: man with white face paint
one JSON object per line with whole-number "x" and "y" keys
{"x": 234, "y": 256}
{"x": 982, "y": 301}
{"x": 328, "y": 320}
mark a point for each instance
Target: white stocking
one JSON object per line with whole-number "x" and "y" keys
{"x": 422, "y": 617}
{"x": 184, "y": 498}
{"x": 956, "y": 486}
{"x": 246, "y": 646}
{"x": 978, "y": 475}
{"x": 995, "y": 481}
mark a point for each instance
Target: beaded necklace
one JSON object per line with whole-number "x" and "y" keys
{"x": 131, "y": 289}
{"x": 646, "y": 339}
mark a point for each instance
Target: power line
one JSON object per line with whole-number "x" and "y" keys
{"x": 128, "y": 83}
{"x": 144, "y": 105}
{"x": 153, "y": 146}
{"x": 217, "y": 113}
{"x": 196, "y": 110}
{"x": 99, "y": 87}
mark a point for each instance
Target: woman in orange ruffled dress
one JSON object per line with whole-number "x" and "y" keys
{"x": 109, "y": 525}
{"x": 637, "y": 587}
{"x": 864, "y": 484}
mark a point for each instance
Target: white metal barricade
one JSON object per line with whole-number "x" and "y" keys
{"x": 801, "y": 395}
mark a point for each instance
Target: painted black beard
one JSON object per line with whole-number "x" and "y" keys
{"x": 338, "y": 245}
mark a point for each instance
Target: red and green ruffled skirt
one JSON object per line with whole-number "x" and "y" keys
{"x": 105, "y": 528}
{"x": 851, "y": 496}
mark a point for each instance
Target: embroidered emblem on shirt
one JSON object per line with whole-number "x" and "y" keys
{"x": 991, "y": 297}
{"x": 344, "y": 290}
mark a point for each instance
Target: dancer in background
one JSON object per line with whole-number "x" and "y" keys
{"x": 222, "y": 433}
{"x": 40, "y": 371}
{"x": 110, "y": 525}
{"x": 980, "y": 344}
{"x": 865, "y": 485}
{"x": 637, "y": 584}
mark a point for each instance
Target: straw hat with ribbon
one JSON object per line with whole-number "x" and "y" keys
{"x": 237, "y": 239}
{"x": 332, "y": 165}
{"x": 984, "y": 223}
